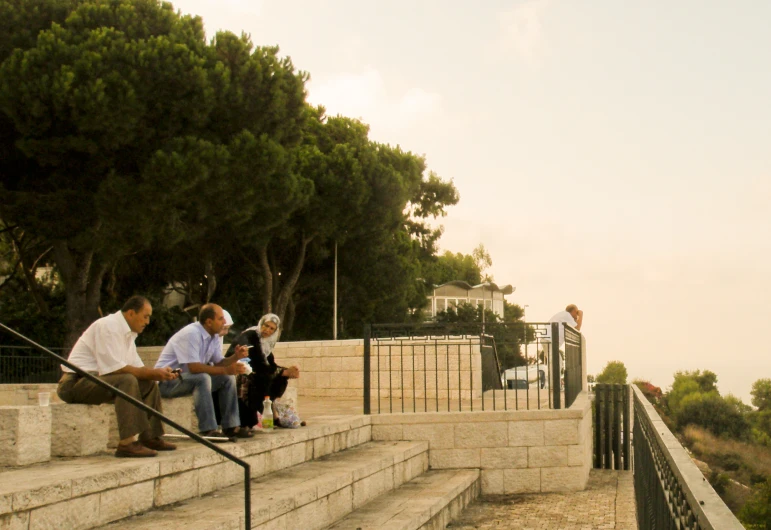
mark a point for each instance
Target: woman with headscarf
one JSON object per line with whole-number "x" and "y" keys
{"x": 267, "y": 378}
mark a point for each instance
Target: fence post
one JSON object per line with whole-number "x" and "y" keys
{"x": 627, "y": 432}
{"x": 597, "y": 424}
{"x": 367, "y": 336}
{"x": 555, "y": 365}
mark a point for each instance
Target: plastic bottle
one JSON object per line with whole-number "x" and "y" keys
{"x": 267, "y": 414}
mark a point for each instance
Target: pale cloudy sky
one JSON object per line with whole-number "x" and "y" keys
{"x": 611, "y": 154}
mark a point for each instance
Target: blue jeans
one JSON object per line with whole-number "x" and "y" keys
{"x": 201, "y": 386}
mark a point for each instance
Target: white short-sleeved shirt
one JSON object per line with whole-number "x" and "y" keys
{"x": 191, "y": 344}
{"x": 563, "y": 317}
{"x": 106, "y": 346}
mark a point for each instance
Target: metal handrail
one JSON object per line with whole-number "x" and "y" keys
{"x": 671, "y": 491}
{"x": 118, "y": 393}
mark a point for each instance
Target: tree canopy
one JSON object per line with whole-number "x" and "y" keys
{"x": 136, "y": 155}
{"x": 613, "y": 373}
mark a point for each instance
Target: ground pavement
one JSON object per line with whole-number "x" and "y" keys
{"x": 607, "y": 503}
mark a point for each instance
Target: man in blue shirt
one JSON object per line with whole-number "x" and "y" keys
{"x": 196, "y": 351}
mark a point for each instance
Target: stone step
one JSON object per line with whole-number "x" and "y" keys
{"x": 309, "y": 496}
{"x": 431, "y": 500}
{"x": 86, "y": 492}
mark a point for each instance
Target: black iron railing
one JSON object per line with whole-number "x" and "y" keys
{"x": 23, "y": 365}
{"x": 468, "y": 366}
{"x": 118, "y": 393}
{"x": 670, "y": 491}
{"x": 612, "y": 434}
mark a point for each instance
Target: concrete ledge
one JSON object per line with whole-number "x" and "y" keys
{"x": 432, "y": 500}
{"x": 90, "y": 491}
{"x": 309, "y": 496}
{"x": 24, "y": 435}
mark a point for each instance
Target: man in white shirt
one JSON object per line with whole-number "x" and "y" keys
{"x": 573, "y": 317}
{"x": 196, "y": 350}
{"x": 107, "y": 349}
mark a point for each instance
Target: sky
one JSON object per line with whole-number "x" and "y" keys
{"x": 610, "y": 154}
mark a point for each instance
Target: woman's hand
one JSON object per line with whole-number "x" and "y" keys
{"x": 292, "y": 372}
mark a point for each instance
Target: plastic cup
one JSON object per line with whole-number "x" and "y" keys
{"x": 44, "y": 398}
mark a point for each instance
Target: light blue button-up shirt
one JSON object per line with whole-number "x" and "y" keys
{"x": 191, "y": 344}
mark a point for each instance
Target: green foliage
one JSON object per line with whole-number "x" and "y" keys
{"x": 761, "y": 394}
{"x": 689, "y": 382}
{"x": 18, "y": 311}
{"x": 144, "y": 155}
{"x": 756, "y": 513}
{"x": 613, "y": 373}
{"x": 719, "y": 482}
{"x": 714, "y": 413}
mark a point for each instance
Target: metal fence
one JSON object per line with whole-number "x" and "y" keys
{"x": 469, "y": 366}
{"x": 23, "y": 365}
{"x": 670, "y": 491}
{"x": 612, "y": 436}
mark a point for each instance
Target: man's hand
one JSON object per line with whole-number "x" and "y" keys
{"x": 292, "y": 372}
{"x": 235, "y": 369}
{"x": 242, "y": 352}
{"x": 580, "y": 313}
{"x": 164, "y": 374}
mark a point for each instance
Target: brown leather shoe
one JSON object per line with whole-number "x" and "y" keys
{"x": 159, "y": 444}
{"x": 134, "y": 450}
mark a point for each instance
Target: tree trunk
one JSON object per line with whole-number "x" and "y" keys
{"x": 82, "y": 280}
{"x": 211, "y": 280}
{"x": 287, "y": 289}
{"x": 28, "y": 270}
{"x": 267, "y": 274}
{"x": 290, "y": 313}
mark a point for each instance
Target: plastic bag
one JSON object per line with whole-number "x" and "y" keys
{"x": 287, "y": 415}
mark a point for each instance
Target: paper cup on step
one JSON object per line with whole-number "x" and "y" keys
{"x": 44, "y": 399}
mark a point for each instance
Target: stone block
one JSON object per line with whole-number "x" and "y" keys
{"x": 521, "y": 481}
{"x": 525, "y": 433}
{"x": 331, "y": 364}
{"x": 175, "y": 488}
{"x": 492, "y": 434}
{"x": 322, "y": 380}
{"x": 455, "y": 458}
{"x": 560, "y": 432}
{"x": 492, "y": 482}
{"x": 549, "y": 456}
{"x": 579, "y": 456}
{"x": 504, "y": 457}
{"x": 15, "y": 521}
{"x": 311, "y": 516}
{"x": 387, "y": 433}
{"x": 340, "y": 503}
{"x": 25, "y": 435}
{"x": 78, "y": 430}
{"x": 438, "y": 435}
{"x": 564, "y": 479}
{"x": 81, "y": 512}
{"x": 118, "y": 503}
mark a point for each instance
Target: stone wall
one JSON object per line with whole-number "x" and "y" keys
{"x": 26, "y": 394}
{"x": 525, "y": 451}
{"x": 336, "y": 368}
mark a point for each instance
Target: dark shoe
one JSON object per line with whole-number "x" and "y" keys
{"x": 239, "y": 432}
{"x": 134, "y": 450}
{"x": 214, "y": 433}
{"x": 159, "y": 444}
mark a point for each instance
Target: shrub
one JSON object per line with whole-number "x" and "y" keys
{"x": 713, "y": 413}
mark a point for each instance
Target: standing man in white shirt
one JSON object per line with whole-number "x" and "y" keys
{"x": 107, "y": 349}
{"x": 573, "y": 317}
{"x": 196, "y": 350}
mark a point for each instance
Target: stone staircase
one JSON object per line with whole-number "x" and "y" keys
{"x": 327, "y": 475}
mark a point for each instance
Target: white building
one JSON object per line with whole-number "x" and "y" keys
{"x": 453, "y": 294}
